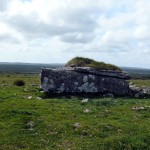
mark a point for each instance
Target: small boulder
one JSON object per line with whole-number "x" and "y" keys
{"x": 138, "y": 108}
{"x": 76, "y": 125}
{"x": 86, "y": 111}
{"x": 29, "y": 97}
{"x": 85, "y": 100}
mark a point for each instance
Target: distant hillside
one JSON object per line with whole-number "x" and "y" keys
{"x": 137, "y": 73}
{"x": 36, "y": 68}
{"x": 25, "y": 67}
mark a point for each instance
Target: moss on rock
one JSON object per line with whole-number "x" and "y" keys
{"x": 87, "y": 62}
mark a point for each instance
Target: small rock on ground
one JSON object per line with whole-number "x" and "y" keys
{"x": 138, "y": 108}
{"x": 30, "y": 97}
{"x": 87, "y": 111}
{"x": 85, "y": 100}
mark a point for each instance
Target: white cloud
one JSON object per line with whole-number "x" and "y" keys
{"x": 55, "y": 31}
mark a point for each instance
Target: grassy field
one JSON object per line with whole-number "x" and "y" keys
{"x": 141, "y": 82}
{"x": 30, "y": 123}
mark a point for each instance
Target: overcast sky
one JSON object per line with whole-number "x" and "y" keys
{"x": 54, "y": 31}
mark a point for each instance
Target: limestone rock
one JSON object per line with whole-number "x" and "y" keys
{"x": 84, "y": 80}
{"x": 85, "y": 100}
{"x": 76, "y": 125}
{"x": 138, "y": 108}
{"x": 97, "y": 72}
{"x": 139, "y": 92}
{"x": 87, "y": 111}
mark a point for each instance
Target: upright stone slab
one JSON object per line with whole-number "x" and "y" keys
{"x": 84, "y": 80}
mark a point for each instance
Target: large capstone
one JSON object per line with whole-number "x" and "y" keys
{"x": 84, "y": 80}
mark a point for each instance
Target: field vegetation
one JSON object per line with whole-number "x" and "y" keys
{"x": 86, "y": 62}
{"x": 29, "y": 121}
{"x": 141, "y": 82}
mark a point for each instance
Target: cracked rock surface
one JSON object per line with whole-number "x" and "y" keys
{"x": 84, "y": 80}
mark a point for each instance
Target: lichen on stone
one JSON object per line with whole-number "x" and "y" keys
{"x": 85, "y": 78}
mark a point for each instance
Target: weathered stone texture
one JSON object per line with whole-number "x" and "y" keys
{"x": 139, "y": 92}
{"x": 84, "y": 80}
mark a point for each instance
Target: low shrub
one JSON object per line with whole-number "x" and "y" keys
{"x": 19, "y": 83}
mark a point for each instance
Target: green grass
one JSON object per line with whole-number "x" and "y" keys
{"x": 86, "y": 62}
{"x": 47, "y": 124}
{"x": 141, "y": 82}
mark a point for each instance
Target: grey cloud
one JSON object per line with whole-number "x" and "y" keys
{"x": 81, "y": 18}
{"x": 30, "y": 25}
{"x": 118, "y": 47}
{"x": 108, "y": 48}
{"x": 3, "y": 5}
{"x": 74, "y": 21}
{"x": 8, "y": 38}
{"x": 77, "y": 37}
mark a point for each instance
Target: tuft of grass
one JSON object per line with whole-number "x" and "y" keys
{"x": 87, "y": 62}
{"x": 19, "y": 82}
{"x": 104, "y": 66}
